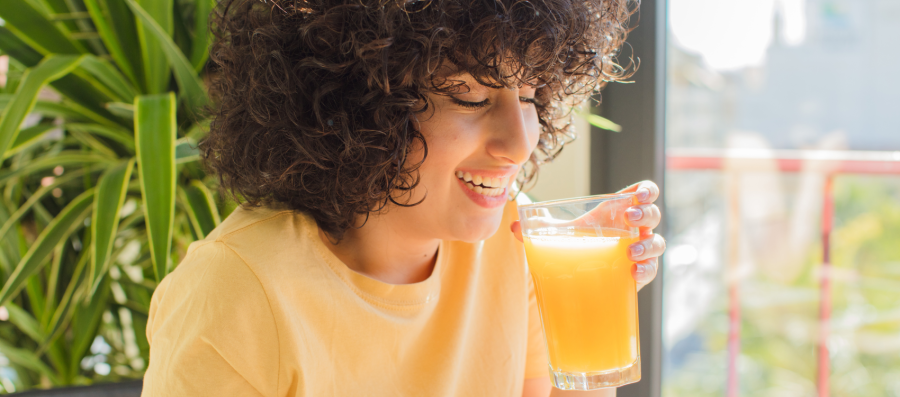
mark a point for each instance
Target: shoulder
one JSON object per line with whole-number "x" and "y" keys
{"x": 212, "y": 283}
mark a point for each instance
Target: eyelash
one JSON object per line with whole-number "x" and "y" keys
{"x": 478, "y": 105}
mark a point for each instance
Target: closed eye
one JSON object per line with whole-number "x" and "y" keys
{"x": 478, "y": 105}
{"x": 470, "y": 105}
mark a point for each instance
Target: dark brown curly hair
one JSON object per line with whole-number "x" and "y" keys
{"x": 314, "y": 100}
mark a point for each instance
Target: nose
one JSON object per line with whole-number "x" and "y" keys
{"x": 514, "y": 129}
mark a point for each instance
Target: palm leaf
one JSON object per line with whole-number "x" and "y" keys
{"x": 110, "y": 76}
{"x": 25, "y": 322}
{"x": 110, "y": 197}
{"x": 23, "y": 209}
{"x": 66, "y": 305}
{"x": 200, "y": 207}
{"x": 191, "y": 87}
{"x": 603, "y": 123}
{"x": 111, "y": 39}
{"x": 73, "y": 87}
{"x": 27, "y": 359}
{"x": 66, "y": 158}
{"x": 51, "y": 68}
{"x": 27, "y": 137}
{"x": 36, "y": 30}
{"x": 156, "y": 70}
{"x": 119, "y": 135}
{"x": 85, "y": 322}
{"x": 154, "y": 128}
{"x": 58, "y": 230}
{"x": 200, "y": 45}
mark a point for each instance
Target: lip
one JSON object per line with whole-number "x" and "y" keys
{"x": 482, "y": 200}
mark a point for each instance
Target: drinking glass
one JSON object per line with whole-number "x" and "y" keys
{"x": 577, "y": 252}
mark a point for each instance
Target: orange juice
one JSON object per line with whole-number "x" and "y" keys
{"x": 587, "y": 299}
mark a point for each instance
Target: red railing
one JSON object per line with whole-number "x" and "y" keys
{"x": 827, "y": 162}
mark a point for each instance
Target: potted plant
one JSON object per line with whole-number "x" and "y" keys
{"x": 101, "y": 190}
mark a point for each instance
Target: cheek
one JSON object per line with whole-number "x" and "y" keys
{"x": 534, "y": 128}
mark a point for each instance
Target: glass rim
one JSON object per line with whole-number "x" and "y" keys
{"x": 602, "y": 197}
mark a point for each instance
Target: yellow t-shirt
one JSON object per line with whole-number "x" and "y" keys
{"x": 262, "y": 307}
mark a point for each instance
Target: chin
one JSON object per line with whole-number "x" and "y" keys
{"x": 478, "y": 229}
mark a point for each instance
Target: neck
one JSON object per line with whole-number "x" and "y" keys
{"x": 386, "y": 251}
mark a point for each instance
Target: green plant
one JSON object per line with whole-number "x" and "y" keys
{"x": 100, "y": 187}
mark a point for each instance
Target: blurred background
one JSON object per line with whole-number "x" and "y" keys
{"x": 782, "y": 198}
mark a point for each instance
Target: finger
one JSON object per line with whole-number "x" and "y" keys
{"x": 516, "y": 228}
{"x": 644, "y": 272}
{"x": 647, "y": 248}
{"x": 646, "y": 191}
{"x": 644, "y": 215}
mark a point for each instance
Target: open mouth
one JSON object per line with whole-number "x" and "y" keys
{"x": 483, "y": 185}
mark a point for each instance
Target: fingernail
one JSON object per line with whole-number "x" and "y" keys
{"x": 643, "y": 194}
{"x": 640, "y": 269}
{"x": 637, "y": 250}
{"x": 634, "y": 214}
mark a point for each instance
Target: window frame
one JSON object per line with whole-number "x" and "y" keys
{"x": 635, "y": 154}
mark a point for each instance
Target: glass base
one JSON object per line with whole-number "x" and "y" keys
{"x": 597, "y": 380}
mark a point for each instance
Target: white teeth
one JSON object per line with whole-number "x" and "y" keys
{"x": 487, "y": 186}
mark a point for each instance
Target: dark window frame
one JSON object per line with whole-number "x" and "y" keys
{"x": 638, "y": 153}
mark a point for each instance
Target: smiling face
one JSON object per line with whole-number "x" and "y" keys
{"x": 477, "y": 141}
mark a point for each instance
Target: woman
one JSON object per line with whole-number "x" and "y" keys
{"x": 376, "y": 145}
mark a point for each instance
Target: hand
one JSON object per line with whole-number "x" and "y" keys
{"x": 645, "y": 216}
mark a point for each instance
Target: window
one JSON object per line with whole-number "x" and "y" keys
{"x": 782, "y": 276}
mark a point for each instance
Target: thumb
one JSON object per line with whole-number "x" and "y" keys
{"x": 516, "y": 228}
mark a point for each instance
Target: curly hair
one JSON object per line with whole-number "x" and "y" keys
{"x": 315, "y": 99}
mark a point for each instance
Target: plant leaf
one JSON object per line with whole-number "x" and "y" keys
{"x": 119, "y": 135}
{"x": 89, "y": 141}
{"x": 186, "y": 150}
{"x": 66, "y": 158}
{"x": 201, "y": 208}
{"x": 123, "y": 110}
{"x": 28, "y": 136}
{"x": 156, "y": 70}
{"x": 111, "y": 39}
{"x": 58, "y": 230}
{"x": 71, "y": 86}
{"x": 66, "y": 305}
{"x": 110, "y": 76}
{"x": 188, "y": 81}
{"x": 40, "y": 193}
{"x": 110, "y": 196}
{"x": 35, "y": 29}
{"x": 25, "y": 322}
{"x": 200, "y": 45}
{"x": 85, "y": 322}
{"x": 22, "y": 102}
{"x": 27, "y": 359}
{"x": 603, "y": 123}
{"x": 154, "y": 130}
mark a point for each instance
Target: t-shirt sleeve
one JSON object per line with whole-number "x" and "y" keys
{"x": 211, "y": 330}
{"x": 536, "y": 360}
